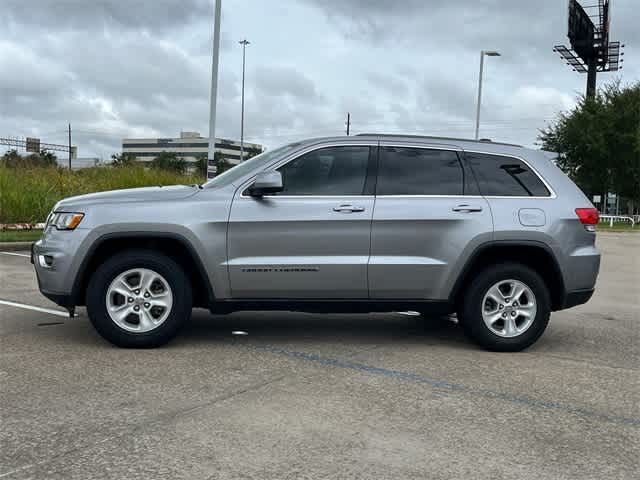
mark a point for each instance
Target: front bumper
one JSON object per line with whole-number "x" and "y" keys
{"x": 55, "y": 263}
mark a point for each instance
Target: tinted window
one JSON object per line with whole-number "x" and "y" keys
{"x": 419, "y": 171}
{"x": 505, "y": 176}
{"x": 328, "y": 171}
{"x": 247, "y": 166}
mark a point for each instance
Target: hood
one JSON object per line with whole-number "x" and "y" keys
{"x": 146, "y": 194}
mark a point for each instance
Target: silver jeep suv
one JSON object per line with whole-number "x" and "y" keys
{"x": 493, "y": 232}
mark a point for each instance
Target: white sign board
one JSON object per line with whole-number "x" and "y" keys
{"x": 597, "y": 199}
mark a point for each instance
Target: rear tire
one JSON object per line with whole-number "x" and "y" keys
{"x": 139, "y": 299}
{"x": 505, "y": 308}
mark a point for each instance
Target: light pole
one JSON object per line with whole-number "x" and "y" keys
{"x": 244, "y": 44}
{"x": 488, "y": 53}
{"x": 211, "y": 168}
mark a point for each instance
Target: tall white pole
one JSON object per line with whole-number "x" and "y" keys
{"x": 211, "y": 169}
{"x": 479, "y": 94}
{"x": 244, "y": 44}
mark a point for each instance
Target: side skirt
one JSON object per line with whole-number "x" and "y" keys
{"x": 333, "y": 306}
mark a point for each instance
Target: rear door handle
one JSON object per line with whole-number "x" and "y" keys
{"x": 467, "y": 208}
{"x": 348, "y": 209}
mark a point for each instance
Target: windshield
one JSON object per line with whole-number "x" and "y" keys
{"x": 247, "y": 166}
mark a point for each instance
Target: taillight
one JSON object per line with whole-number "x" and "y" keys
{"x": 588, "y": 216}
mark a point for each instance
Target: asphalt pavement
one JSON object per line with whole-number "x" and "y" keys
{"x": 323, "y": 396}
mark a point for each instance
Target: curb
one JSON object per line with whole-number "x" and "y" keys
{"x": 617, "y": 232}
{"x": 15, "y": 246}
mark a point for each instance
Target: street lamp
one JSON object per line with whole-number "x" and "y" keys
{"x": 244, "y": 44}
{"x": 211, "y": 169}
{"x": 488, "y": 53}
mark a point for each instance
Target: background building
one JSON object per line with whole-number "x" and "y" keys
{"x": 190, "y": 146}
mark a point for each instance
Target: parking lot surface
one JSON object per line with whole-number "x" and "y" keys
{"x": 323, "y": 396}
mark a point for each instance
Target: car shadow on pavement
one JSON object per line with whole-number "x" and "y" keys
{"x": 292, "y": 327}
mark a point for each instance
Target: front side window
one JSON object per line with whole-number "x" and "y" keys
{"x": 248, "y": 166}
{"x": 327, "y": 171}
{"x": 419, "y": 171}
{"x": 501, "y": 176}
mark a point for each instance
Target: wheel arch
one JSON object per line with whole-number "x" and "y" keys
{"x": 536, "y": 255}
{"x": 171, "y": 244}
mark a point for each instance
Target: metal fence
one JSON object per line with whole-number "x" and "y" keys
{"x": 633, "y": 219}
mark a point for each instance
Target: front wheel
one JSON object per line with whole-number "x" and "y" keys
{"x": 139, "y": 299}
{"x": 506, "y": 307}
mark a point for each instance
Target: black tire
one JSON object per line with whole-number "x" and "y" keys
{"x": 470, "y": 314}
{"x": 98, "y": 286}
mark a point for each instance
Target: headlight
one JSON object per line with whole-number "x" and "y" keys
{"x": 65, "y": 220}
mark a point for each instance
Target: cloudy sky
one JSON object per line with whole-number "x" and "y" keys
{"x": 141, "y": 68}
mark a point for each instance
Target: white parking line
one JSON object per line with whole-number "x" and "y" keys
{"x": 60, "y": 313}
{"x": 16, "y": 254}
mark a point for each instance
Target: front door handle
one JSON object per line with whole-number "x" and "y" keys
{"x": 348, "y": 209}
{"x": 467, "y": 208}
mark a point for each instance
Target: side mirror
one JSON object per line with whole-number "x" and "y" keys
{"x": 266, "y": 183}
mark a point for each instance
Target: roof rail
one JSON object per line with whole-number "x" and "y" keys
{"x": 429, "y": 137}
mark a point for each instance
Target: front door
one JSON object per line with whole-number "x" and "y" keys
{"x": 310, "y": 241}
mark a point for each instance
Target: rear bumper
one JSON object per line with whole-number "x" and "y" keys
{"x": 577, "y": 297}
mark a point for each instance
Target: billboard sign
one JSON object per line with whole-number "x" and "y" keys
{"x": 581, "y": 31}
{"x": 33, "y": 145}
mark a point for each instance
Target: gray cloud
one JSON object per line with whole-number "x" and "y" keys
{"x": 116, "y": 68}
{"x": 87, "y": 15}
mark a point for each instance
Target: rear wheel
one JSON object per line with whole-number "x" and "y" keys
{"x": 139, "y": 298}
{"x": 506, "y": 307}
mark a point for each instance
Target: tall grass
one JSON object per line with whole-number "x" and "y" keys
{"x": 28, "y": 194}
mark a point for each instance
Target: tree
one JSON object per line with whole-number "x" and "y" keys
{"x": 169, "y": 161}
{"x": 13, "y": 159}
{"x": 598, "y": 142}
{"x": 251, "y": 152}
{"x": 223, "y": 163}
{"x": 122, "y": 159}
{"x": 201, "y": 164}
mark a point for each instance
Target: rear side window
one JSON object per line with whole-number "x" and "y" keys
{"x": 419, "y": 171}
{"x": 505, "y": 176}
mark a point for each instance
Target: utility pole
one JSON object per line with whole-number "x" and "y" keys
{"x": 348, "y": 123}
{"x": 244, "y": 44}
{"x": 69, "y": 147}
{"x": 211, "y": 167}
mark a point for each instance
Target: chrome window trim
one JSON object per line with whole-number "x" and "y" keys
{"x": 315, "y": 196}
{"x": 477, "y": 197}
{"x": 295, "y": 155}
{"x": 552, "y": 193}
{"x": 278, "y": 163}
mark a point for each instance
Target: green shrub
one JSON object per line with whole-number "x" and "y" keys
{"x": 28, "y": 194}
{"x": 169, "y": 161}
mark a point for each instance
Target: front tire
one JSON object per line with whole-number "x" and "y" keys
{"x": 139, "y": 299}
{"x": 506, "y": 307}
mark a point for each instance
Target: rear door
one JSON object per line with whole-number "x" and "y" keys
{"x": 428, "y": 217}
{"x": 311, "y": 240}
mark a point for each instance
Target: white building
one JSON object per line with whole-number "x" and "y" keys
{"x": 190, "y": 146}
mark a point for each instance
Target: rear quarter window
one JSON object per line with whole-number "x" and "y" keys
{"x": 503, "y": 176}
